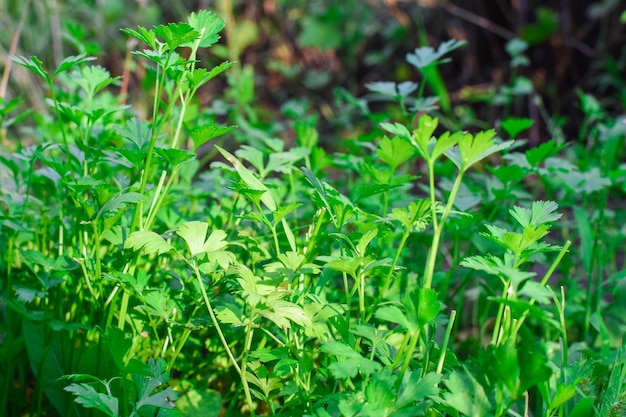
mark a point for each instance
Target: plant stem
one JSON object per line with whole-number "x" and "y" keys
{"x": 446, "y": 340}
{"x": 438, "y": 226}
{"x": 220, "y": 334}
{"x": 408, "y": 354}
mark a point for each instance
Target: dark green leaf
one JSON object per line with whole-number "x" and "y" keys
{"x": 466, "y": 395}
{"x": 119, "y": 202}
{"x": 175, "y": 157}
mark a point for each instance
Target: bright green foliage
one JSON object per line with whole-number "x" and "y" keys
{"x": 420, "y": 270}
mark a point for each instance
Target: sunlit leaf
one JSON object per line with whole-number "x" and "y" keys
{"x": 72, "y": 61}
{"x": 394, "y": 152}
{"x": 148, "y": 241}
{"x": 396, "y": 129}
{"x": 34, "y": 65}
{"x": 88, "y": 397}
{"x": 250, "y": 179}
{"x": 208, "y": 24}
{"x": 142, "y": 34}
{"x": 176, "y": 34}
{"x": 541, "y": 212}
{"x": 205, "y": 133}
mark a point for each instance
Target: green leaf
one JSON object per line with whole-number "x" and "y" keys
{"x": 88, "y": 397}
{"x": 445, "y": 142}
{"x": 540, "y": 153}
{"x": 34, "y": 65}
{"x": 473, "y": 149}
{"x": 541, "y": 212}
{"x": 46, "y": 357}
{"x": 194, "y": 233}
{"x": 415, "y": 388}
{"x": 319, "y": 189}
{"x": 394, "y": 152}
{"x": 466, "y": 395}
{"x": 586, "y": 235}
{"x": 393, "y": 314}
{"x": 137, "y": 131}
{"x": 231, "y": 314}
{"x": 283, "y": 212}
{"x": 584, "y": 407}
{"x": 200, "y": 403}
{"x": 175, "y": 157}
{"x": 416, "y": 217}
{"x": 291, "y": 312}
{"x": 422, "y": 136}
{"x": 201, "y": 76}
{"x": 586, "y": 182}
{"x": 396, "y": 129}
{"x": 144, "y": 35}
{"x": 205, "y": 133}
{"x": 339, "y": 349}
{"x": 94, "y": 78}
{"x": 149, "y": 241}
{"x": 283, "y": 161}
{"x": 71, "y": 61}
{"x": 250, "y": 179}
{"x": 426, "y": 55}
{"x": 177, "y": 34}
{"x": 347, "y": 264}
{"x": 368, "y": 190}
{"x": 561, "y": 396}
{"x": 503, "y": 364}
{"x": 397, "y": 91}
{"x": 348, "y": 368}
{"x": 536, "y": 364}
{"x": 147, "y": 384}
{"x": 208, "y": 24}
{"x": 118, "y": 202}
{"x": 428, "y": 306}
{"x": 514, "y": 126}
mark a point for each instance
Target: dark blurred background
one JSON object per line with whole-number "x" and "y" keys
{"x": 309, "y": 49}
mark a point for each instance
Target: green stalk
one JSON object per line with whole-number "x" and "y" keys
{"x": 157, "y": 199}
{"x": 387, "y": 281}
{"x": 498, "y": 323}
{"x": 244, "y": 360}
{"x": 121, "y": 320}
{"x": 408, "y": 355}
{"x": 446, "y": 340}
{"x": 153, "y": 138}
{"x": 438, "y": 226}
{"x": 8, "y": 321}
{"x": 207, "y": 303}
{"x": 362, "y": 296}
{"x": 545, "y": 279}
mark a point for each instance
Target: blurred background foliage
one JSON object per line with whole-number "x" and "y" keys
{"x": 322, "y": 53}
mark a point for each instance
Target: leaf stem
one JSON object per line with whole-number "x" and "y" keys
{"x": 438, "y": 226}
{"x": 220, "y": 334}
